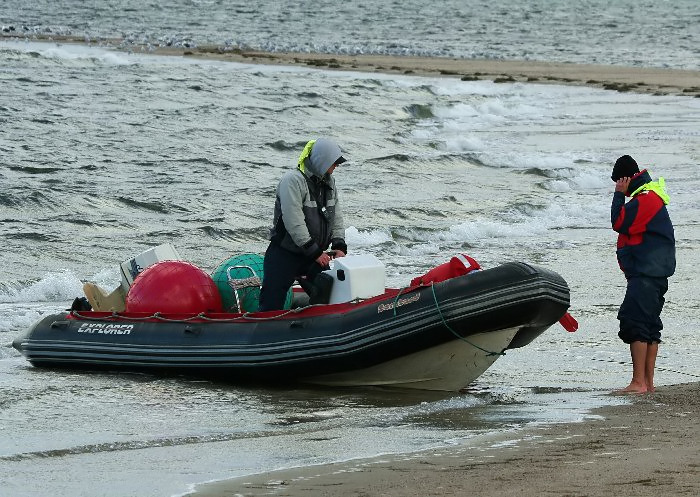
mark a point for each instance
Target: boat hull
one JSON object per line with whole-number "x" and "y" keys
{"x": 450, "y": 366}
{"x": 397, "y": 339}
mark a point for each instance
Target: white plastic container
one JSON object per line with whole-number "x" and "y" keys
{"x": 131, "y": 268}
{"x": 356, "y": 277}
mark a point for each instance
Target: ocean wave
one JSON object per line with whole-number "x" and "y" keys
{"x": 366, "y": 238}
{"x": 566, "y": 180}
{"x": 119, "y": 446}
{"x": 392, "y": 157}
{"x": 420, "y": 111}
{"x": 33, "y": 169}
{"x": 284, "y": 146}
{"x": 253, "y": 164}
{"x": 237, "y": 235}
{"x": 32, "y": 236}
{"x": 414, "y": 213}
{"x": 539, "y": 171}
{"x": 63, "y": 52}
{"x": 518, "y": 223}
{"x": 9, "y": 200}
{"x": 152, "y": 206}
{"x": 55, "y": 286}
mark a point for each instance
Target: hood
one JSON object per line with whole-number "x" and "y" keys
{"x": 318, "y": 156}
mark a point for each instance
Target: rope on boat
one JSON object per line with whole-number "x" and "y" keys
{"x": 201, "y": 316}
{"x": 396, "y": 299}
{"x": 442, "y": 318}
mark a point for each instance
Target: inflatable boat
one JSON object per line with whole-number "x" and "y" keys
{"x": 431, "y": 334}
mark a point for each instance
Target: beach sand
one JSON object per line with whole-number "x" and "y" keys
{"x": 656, "y": 81}
{"x": 618, "y": 78}
{"x": 647, "y": 447}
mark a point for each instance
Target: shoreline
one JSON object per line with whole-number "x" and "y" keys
{"x": 655, "y": 81}
{"x": 645, "y": 448}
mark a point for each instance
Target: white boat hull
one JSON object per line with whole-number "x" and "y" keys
{"x": 449, "y": 367}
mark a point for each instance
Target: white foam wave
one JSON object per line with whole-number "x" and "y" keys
{"x": 468, "y": 143}
{"x": 581, "y": 182}
{"x": 592, "y": 181}
{"x": 516, "y": 126}
{"x": 515, "y": 226}
{"x": 520, "y": 224}
{"x": 493, "y": 110}
{"x": 369, "y": 238}
{"x": 473, "y": 232}
{"x": 51, "y": 288}
{"x": 70, "y": 51}
{"x": 19, "y": 318}
{"x": 558, "y": 185}
{"x": 107, "y": 278}
{"x": 427, "y": 248}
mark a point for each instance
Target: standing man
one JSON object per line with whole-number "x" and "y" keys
{"x": 646, "y": 252}
{"x": 307, "y": 219}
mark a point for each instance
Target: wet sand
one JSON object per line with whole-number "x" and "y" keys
{"x": 618, "y": 78}
{"x": 657, "y": 81}
{"x": 646, "y": 448}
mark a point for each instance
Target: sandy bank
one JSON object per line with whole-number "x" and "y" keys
{"x": 618, "y": 78}
{"x": 643, "y": 80}
{"x": 648, "y": 448}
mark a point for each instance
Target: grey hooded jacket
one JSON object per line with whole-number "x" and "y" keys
{"x": 307, "y": 215}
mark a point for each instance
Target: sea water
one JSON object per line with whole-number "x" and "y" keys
{"x": 104, "y": 154}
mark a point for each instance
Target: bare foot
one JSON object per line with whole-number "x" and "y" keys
{"x": 633, "y": 388}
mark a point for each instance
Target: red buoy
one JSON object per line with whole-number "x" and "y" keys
{"x": 173, "y": 287}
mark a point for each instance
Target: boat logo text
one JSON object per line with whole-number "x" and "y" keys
{"x": 106, "y": 328}
{"x": 408, "y": 300}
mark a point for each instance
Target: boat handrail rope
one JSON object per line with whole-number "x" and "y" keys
{"x": 201, "y": 316}
{"x": 442, "y": 318}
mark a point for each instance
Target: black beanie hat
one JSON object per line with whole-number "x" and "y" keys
{"x": 625, "y": 167}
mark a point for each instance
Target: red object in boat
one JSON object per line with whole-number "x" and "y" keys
{"x": 173, "y": 287}
{"x": 457, "y": 266}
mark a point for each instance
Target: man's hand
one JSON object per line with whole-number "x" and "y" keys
{"x": 323, "y": 260}
{"x": 622, "y": 185}
{"x": 338, "y": 253}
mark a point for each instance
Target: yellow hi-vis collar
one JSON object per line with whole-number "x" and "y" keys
{"x": 656, "y": 187}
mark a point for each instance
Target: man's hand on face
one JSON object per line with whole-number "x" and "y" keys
{"x": 622, "y": 185}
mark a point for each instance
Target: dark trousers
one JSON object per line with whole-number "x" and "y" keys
{"x": 280, "y": 268}
{"x": 640, "y": 312}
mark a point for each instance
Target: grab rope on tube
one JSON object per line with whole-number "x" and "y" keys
{"x": 201, "y": 316}
{"x": 437, "y": 306}
{"x": 442, "y": 318}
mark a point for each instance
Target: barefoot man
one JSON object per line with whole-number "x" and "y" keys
{"x": 646, "y": 252}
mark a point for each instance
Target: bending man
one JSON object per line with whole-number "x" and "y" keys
{"x": 307, "y": 219}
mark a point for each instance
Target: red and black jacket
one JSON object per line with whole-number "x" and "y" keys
{"x": 646, "y": 245}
